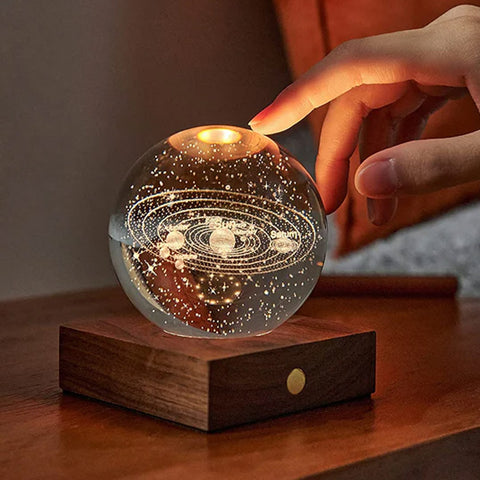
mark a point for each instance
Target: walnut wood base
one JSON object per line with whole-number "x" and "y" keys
{"x": 213, "y": 384}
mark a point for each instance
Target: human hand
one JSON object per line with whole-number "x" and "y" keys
{"x": 382, "y": 90}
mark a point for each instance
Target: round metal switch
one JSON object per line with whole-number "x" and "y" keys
{"x": 296, "y": 381}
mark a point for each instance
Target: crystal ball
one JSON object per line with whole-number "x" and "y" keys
{"x": 218, "y": 232}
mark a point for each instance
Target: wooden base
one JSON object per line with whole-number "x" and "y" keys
{"x": 213, "y": 384}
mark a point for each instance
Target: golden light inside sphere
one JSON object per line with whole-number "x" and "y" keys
{"x": 220, "y": 136}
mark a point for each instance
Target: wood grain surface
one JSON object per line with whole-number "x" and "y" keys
{"x": 427, "y": 401}
{"x": 213, "y": 384}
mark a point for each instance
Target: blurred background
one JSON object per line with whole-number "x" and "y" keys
{"x": 87, "y": 87}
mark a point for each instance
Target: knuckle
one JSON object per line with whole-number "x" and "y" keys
{"x": 351, "y": 52}
{"x": 440, "y": 170}
{"x": 469, "y": 27}
{"x": 458, "y": 32}
{"x": 464, "y": 10}
{"x": 350, "y": 48}
{"x": 459, "y": 35}
{"x": 423, "y": 170}
{"x": 469, "y": 38}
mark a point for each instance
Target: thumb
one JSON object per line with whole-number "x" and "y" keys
{"x": 420, "y": 166}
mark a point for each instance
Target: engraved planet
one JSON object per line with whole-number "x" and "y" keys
{"x": 222, "y": 241}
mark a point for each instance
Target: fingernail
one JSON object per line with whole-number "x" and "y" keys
{"x": 377, "y": 179}
{"x": 258, "y": 118}
{"x": 371, "y": 210}
{"x": 375, "y": 214}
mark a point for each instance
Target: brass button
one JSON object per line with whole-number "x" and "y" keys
{"x": 296, "y": 381}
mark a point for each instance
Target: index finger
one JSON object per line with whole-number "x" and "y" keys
{"x": 389, "y": 58}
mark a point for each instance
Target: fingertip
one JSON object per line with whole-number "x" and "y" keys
{"x": 269, "y": 126}
{"x": 332, "y": 184}
{"x": 266, "y": 121}
{"x": 331, "y": 200}
{"x": 284, "y": 112}
{"x": 258, "y": 123}
{"x": 261, "y": 128}
{"x": 330, "y": 204}
{"x": 329, "y": 210}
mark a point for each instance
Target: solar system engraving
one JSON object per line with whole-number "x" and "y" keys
{"x": 218, "y": 232}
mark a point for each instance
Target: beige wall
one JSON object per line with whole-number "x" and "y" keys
{"x": 87, "y": 86}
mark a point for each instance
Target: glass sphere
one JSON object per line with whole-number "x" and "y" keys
{"x": 218, "y": 232}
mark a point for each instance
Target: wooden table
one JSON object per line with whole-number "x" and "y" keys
{"x": 422, "y": 422}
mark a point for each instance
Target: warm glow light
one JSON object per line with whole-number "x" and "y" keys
{"x": 219, "y": 135}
